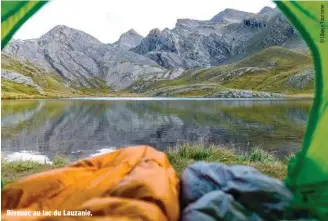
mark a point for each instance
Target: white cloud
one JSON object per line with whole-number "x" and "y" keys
{"x": 108, "y": 19}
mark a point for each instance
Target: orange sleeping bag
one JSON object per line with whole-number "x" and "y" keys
{"x": 134, "y": 183}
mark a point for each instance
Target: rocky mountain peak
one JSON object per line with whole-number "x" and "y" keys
{"x": 154, "y": 31}
{"x": 62, "y": 33}
{"x": 129, "y": 39}
{"x": 231, "y": 15}
{"x": 132, "y": 32}
{"x": 129, "y": 34}
{"x": 266, "y": 9}
{"x": 57, "y": 30}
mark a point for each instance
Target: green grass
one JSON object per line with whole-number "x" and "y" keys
{"x": 257, "y": 155}
{"x": 13, "y": 171}
{"x": 180, "y": 157}
{"x": 285, "y": 58}
{"x": 13, "y": 87}
{"x": 185, "y": 154}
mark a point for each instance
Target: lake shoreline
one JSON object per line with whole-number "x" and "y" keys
{"x": 289, "y": 98}
{"x": 179, "y": 156}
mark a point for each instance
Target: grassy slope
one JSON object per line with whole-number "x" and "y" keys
{"x": 180, "y": 157}
{"x": 201, "y": 82}
{"x": 52, "y": 84}
{"x": 204, "y": 81}
{"x": 288, "y": 63}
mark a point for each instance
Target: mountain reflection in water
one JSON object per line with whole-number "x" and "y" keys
{"x": 77, "y": 128}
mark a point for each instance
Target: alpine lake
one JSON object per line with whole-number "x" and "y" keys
{"x": 77, "y": 128}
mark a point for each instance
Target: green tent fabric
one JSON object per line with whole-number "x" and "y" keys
{"x": 308, "y": 171}
{"x": 14, "y": 14}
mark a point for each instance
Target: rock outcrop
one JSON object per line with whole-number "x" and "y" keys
{"x": 301, "y": 80}
{"x": 232, "y": 93}
{"x": 20, "y": 79}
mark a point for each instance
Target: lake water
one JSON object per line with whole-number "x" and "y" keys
{"x": 77, "y": 128}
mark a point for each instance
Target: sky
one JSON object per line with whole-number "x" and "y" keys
{"x": 108, "y": 19}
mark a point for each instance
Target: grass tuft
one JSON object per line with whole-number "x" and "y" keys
{"x": 183, "y": 155}
{"x": 60, "y": 161}
{"x": 21, "y": 166}
{"x": 257, "y": 155}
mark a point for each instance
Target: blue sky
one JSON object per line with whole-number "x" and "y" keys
{"x": 108, "y": 19}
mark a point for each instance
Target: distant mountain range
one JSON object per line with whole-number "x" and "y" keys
{"x": 67, "y": 62}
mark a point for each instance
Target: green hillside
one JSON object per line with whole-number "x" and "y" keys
{"x": 52, "y": 84}
{"x": 274, "y": 69}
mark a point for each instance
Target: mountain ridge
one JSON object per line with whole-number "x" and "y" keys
{"x": 80, "y": 61}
